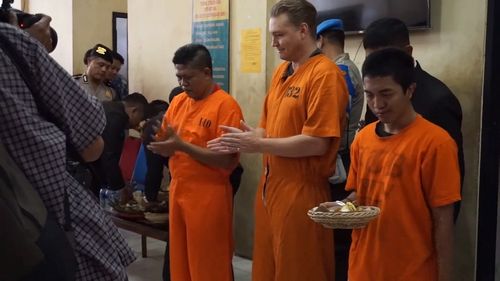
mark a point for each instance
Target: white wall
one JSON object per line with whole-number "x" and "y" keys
{"x": 61, "y": 12}
{"x": 249, "y": 89}
{"x": 92, "y": 24}
{"x": 157, "y": 29}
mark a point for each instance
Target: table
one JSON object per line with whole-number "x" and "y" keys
{"x": 144, "y": 228}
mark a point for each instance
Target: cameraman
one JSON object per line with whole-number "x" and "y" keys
{"x": 39, "y": 146}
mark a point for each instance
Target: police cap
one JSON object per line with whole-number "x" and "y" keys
{"x": 101, "y": 51}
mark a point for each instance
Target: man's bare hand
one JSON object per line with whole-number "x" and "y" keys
{"x": 40, "y": 30}
{"x": 167, "y": 147}
{"x": 236, "y": 140}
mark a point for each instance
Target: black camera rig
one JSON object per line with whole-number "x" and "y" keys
{"x": 24, "y": 20}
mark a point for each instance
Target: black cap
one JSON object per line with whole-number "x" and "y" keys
{"x": 103, "y": 52}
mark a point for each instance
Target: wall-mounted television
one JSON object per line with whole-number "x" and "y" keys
{"x": 358, "y": 14}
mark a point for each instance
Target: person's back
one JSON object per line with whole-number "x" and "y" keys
{"x": 39, "y": 149}
{"x": 120, "y": 116}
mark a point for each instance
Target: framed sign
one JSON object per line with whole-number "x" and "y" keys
{"x": 211, "y": 28}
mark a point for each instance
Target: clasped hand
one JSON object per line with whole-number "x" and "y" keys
{"x": 236, "y": 140}
{"x": 168, "y": 146}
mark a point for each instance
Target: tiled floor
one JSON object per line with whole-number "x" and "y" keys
{"x": 150, "y": 268}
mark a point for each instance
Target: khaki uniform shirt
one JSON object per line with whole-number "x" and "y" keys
{"x": 102, "y": 92}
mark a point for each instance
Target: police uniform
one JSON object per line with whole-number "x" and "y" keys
{"x": 101, "y": 91}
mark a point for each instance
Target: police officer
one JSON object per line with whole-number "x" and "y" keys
{"x": 98, "y": 62}
{"x": 114, "y": 79}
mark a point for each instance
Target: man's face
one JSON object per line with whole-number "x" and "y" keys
{"x": 285, "y": 37}
{"x": 113, "y": 70}
{"x": 196, "y": 82}
{"x": 135, "y": 116}
{"x": 386, "y": 98}
{"x": 97, "y": 68}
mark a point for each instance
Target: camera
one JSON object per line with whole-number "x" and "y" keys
{"x": 24, "y": 20}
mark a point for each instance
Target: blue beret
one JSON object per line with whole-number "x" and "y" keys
{"x": 329, "y": 24}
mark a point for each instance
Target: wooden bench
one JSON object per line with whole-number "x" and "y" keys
{"x": 144, "y": 228}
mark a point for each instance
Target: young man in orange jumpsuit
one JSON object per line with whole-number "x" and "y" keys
{"x": 299, "y": 134}
{"x": 408, "y": 167}
{"x": 200, "y": 215}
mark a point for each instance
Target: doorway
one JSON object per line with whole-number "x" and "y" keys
{"x": 120, "y": 39}
{"x": 488, "y": 239}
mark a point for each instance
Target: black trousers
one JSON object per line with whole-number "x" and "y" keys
{"x": 154, "y": 175}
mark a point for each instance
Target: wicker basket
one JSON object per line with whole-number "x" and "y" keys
{"x": 347, "y": 220}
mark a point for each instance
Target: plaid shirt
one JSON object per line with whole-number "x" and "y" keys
{"x": 39, "y": 149}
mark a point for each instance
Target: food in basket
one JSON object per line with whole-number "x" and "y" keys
{"x": 343, "y": 215}
{"x": 339, "y": 206}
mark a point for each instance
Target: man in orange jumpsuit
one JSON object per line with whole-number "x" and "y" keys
{"x": 299, "y": 133}
{"x": 408, "y": 167}
{"x": 200, "y": 215}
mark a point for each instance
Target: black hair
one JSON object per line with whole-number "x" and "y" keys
{"x": 175, "y": 91}
{"x": 86, "y": 56}
{"x": 194, "y": 55}
{"x": 155, "y": 107}
{"x": 334, "y": 36}
{"x": 386, "y": 32}
{"x": 392, "y": 62}
{"x": 136, "y": 99}
{"x": 117, "y": 56}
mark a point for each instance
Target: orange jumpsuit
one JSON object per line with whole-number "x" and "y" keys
{"x": 405, "y": 175}
{"x": 288, "y": 245}
{"x": 200, "y": 212}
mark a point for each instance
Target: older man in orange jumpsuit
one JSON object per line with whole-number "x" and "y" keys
{"x": 201, "y": 239}
{"x": 299, "y": 132}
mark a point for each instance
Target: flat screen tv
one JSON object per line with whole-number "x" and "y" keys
{"x": 358, "y": 14}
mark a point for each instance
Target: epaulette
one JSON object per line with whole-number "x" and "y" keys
{"x": 84, "y": 77}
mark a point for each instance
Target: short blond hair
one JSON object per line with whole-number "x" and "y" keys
{"x": 298, "y": 11}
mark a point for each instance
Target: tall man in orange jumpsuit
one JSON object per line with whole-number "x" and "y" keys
{"x": 201, "y": 238}
{"x": 299, "y": 133}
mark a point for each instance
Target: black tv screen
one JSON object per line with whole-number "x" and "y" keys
{"x": 358, "y": 14}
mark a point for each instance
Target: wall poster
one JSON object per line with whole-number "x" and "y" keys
{"x": 211, "y": 28}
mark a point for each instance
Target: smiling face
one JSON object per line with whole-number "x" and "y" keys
{"x": 388, "y": 101}
{"x": 286, "y": 37}
{"x": 196, "y": 82}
